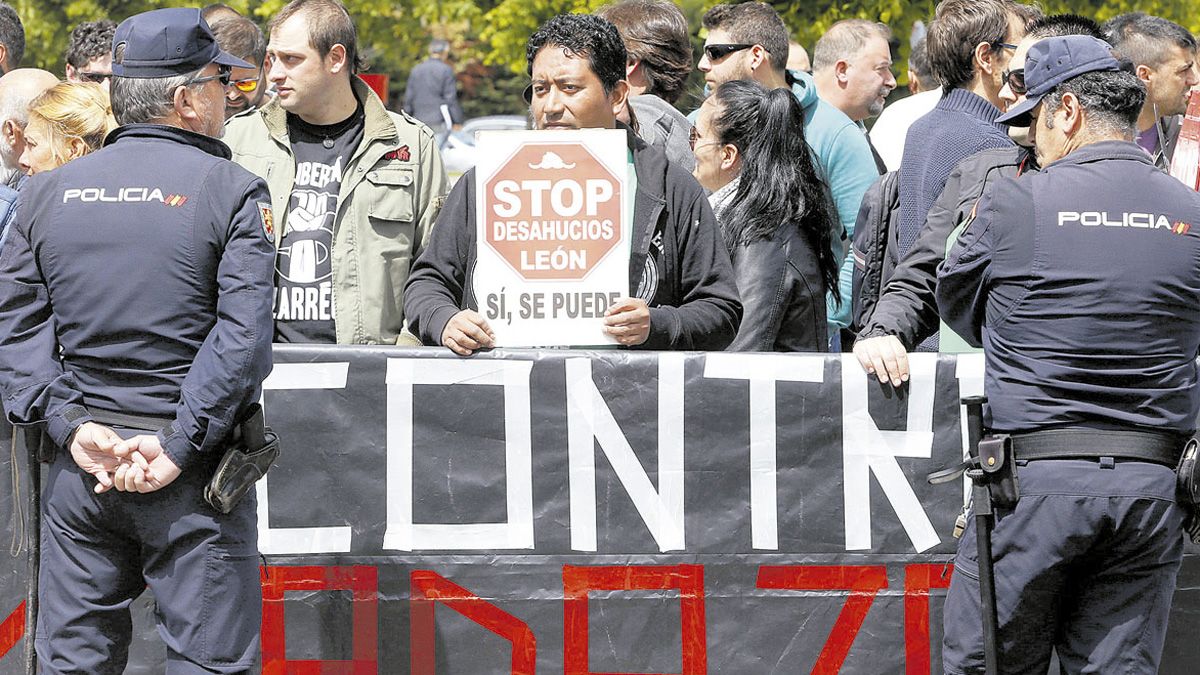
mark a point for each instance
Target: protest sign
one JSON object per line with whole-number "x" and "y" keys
{"x": 552, "y": 234}
{"x": 1185, "y": 165}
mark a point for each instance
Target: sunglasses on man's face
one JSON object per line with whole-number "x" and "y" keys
{"x": 1016, "y": 80}
{"x": 247, "y": 85}
{"x": 718, "y": 52}
{"x": 223, "y": 75}
{"x": 89, "y": 76}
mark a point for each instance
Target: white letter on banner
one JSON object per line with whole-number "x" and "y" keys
{"x": 968, "y": 368}
{"x": 300, "y": 540}
{"x": 401, "y": 532}
{"x": 865, "y": 449}
{"x": 589, "y": 420}
{"x": 763, "y": 371}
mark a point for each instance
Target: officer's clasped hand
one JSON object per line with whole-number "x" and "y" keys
{"x": 92, "y": 448}
{"x": 146, "y": 467}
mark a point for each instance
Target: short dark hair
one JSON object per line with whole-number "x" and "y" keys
{"x": 12, "y": 34}
{"x": 329, "y": 24}
{"x": 655, "y": 33}
{"x": 90, "y": 40}
{"x": 581, "y": 35}
{"x": 957, "y": 27}
{"x": 1061, "y": 25}
{"x": 918, "y": 62}
{"x": 241, "y": 37}
{"x": 755, "y": 23}
{"x": 1112, "y": 99}
{"x": 1144, "y": 39}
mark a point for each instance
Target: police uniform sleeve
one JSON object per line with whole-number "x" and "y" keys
{"x": 36, "y": 388}
{"x": 963, "y": 278}
{"x": 235, "y": 358}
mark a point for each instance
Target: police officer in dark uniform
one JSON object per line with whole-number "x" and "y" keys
{"x": 1081, "y": 283}
{"x": 135, "y": 295}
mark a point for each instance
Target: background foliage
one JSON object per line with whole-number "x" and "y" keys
{"x": 488, "y": 36}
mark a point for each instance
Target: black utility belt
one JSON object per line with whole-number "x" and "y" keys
{"x": 1075, "y": 443}
{"x": 126, "y": 421}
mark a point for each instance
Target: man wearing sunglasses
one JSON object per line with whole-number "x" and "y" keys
{"x": 242, "y": 37}
{"x": 89, "y": 52}
{"x": 154, "y": 250}
{"x": 748, "y": 41}
{"x": 906, "y": 312}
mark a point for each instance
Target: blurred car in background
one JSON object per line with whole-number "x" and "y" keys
{"x": 458, "y": 147}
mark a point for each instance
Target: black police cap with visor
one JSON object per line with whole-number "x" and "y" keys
{"x": 1052, "y": 61}
{"x": 168, "y": 43}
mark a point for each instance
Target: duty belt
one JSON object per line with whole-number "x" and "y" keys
{"x": 1076, "y": 443}
{"x": 127, "y": 421}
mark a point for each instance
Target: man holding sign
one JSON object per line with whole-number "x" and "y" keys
{"x": 680, "y": 293}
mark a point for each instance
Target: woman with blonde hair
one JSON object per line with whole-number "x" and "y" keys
{"x": 67, "y": 121}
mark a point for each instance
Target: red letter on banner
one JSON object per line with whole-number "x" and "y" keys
{"x": 918, "y": 580}
{"x": 12, "y": 630}
{"x": 863, "y": 582}
{"x": 429, "y": 588}
{"x": 688, "y": 579}
{"x": 361, "y": 580}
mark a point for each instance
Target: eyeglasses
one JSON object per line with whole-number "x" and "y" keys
{"x": 694, "y": 139}
{"x": 95, "y": 78}
{"x": 223, "y": 75}
{"x": 718, "y": 52}
{"x": 1005, "y": 45}
{"x": 247, "y": 85}
{"x": 1016, "y": 80}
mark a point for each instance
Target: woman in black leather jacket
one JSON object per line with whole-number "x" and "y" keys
{"x": 774, "y": 211}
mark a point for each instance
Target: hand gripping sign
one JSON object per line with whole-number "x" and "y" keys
{"x": 552, "y": 234}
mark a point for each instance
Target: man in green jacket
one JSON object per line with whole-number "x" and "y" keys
{"x": 358, "y": 188}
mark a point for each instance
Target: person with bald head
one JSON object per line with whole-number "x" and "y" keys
{"x": 17, "y": 90}
{"x": 798, "y": 58}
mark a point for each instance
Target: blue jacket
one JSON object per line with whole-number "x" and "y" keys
{"x": 844, "y": 156}
{"x": 1081, "y": 283}
{"x": 138, "y": 279}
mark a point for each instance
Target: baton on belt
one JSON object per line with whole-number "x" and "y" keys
{"x": 981, "y": 498}
{"x": 990, "y": 467}
{"x": 33, "y": 442}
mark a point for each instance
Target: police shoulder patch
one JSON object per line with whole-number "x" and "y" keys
{"x": 268, "y": 218}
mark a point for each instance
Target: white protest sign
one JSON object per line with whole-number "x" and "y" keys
{"x": 552, "y": 234}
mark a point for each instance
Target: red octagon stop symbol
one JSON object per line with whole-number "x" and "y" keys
{"x": 553, "y": 211}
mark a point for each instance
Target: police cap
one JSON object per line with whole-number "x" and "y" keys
{"x": 1054, "y": 60}
{"x": 168, "y": 42}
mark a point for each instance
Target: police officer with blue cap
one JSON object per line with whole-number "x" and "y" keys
{"x": 1081, "y": 284}
{"x": 135, "y": 297}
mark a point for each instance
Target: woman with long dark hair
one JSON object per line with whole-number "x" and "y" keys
{"x": 774, "y": 210}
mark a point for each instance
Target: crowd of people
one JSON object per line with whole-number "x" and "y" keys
{"x": 323, "y": 217}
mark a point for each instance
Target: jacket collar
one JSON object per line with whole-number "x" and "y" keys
{"x": 1094, "y": 152}
{"x": 377, "y": 125}
{"x": 169, "y": 133}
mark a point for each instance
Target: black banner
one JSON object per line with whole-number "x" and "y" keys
{"x": 600, "y": 512}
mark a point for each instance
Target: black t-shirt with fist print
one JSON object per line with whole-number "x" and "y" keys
{"x": 303, "y": 308}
